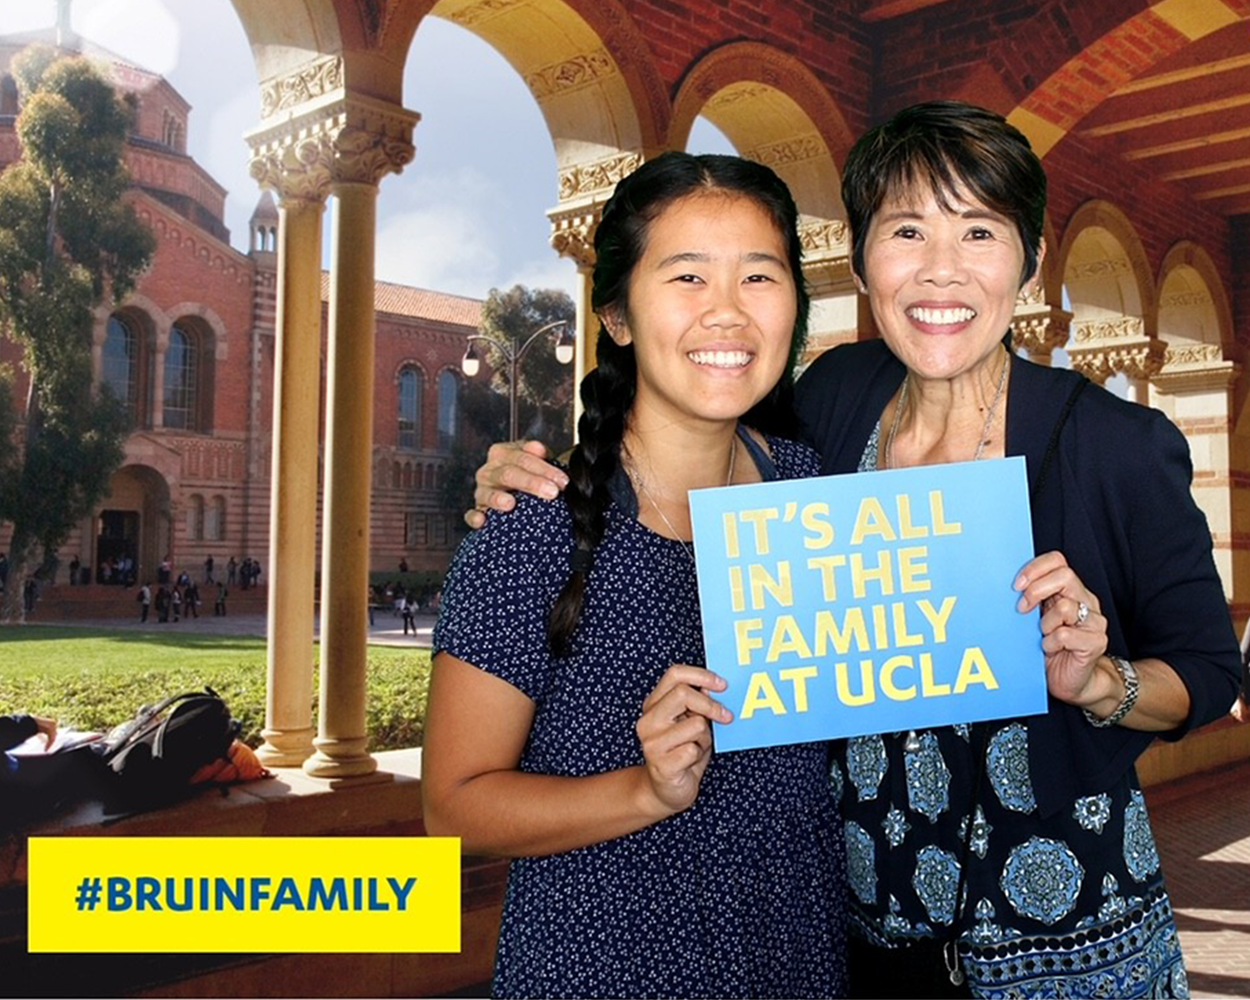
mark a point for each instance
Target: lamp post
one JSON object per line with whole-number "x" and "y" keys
{"x": 513, "y": 349}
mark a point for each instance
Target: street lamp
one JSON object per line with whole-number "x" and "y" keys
{"x": 513, "y": 349}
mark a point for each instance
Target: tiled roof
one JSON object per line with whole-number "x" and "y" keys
{"x": 404, "y": 300}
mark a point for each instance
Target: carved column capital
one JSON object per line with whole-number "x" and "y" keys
{"x": 1040, "y": 328}
{"x": 1140, "y": 360}
{"x": 1189, "y": 368}
{"x": 573, "y": 232}
{"x": 329, "y": 140}
{"x": 826, "y": 247}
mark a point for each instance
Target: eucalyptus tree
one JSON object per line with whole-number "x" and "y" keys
{"x": 69, "y": 241}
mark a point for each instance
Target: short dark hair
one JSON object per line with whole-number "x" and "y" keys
{"x": 950, "y": 148}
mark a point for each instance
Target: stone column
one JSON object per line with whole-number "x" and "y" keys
{"x": 160, "y": 344}
{"x": 373, "y": 140}
{"x": 585, "y": 349}
{"x": 344, "y": 147}
{"x": 342, "y": 738}
{"x": 573, "y": 236}
{"x": 288, "y": 728}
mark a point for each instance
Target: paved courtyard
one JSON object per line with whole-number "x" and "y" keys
{"x": 1202, "y": 825}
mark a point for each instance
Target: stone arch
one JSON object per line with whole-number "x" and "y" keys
{"x": 1193, "y": 305}
{"x": 134, "y": 518}
{"x": 216, "y": 326}
{"x": 1102, "y": 255}
{"x": 773, "y": 109}
{"x": 1112, "y": 296}
{"x": 1077, "y": 87}
{"x": 585, "y": 62}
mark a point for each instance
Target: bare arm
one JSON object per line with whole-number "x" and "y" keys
{"x": 511, "y": 466}
{"x": 476, "y": 729}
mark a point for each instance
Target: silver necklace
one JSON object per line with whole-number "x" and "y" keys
{"x": 636, "y": 477}
{"x": 912, "y": 743}
{"x": 985, "y": 431}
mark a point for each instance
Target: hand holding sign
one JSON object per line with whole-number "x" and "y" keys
{"x": 875, "y": 602}
{"x": 676, "y": 735}
{"x": 1072, "y": 639}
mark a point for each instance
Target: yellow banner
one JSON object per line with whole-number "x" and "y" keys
{"x": 244, "y": 894}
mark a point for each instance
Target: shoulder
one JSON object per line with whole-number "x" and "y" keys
{"x": 1122, "y": 436}
{"x": 534, "y": 530}
{"x": 793, "y": 459}
{"x": 844, "y": 362}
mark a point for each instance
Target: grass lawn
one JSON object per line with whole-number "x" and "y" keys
{"x": 96, "y": 678}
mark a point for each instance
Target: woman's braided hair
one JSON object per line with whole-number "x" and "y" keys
{"x": 608, "y": 391}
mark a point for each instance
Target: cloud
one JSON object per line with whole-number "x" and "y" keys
{"x": 144, "y": 31}
{"x": 555, "y": 272}
{"x": 439, "y": 246}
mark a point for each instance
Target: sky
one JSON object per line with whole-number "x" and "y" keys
{"x": 466, "y": 216}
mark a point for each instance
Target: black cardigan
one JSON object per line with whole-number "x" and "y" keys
{"x": 1116, "y": 502}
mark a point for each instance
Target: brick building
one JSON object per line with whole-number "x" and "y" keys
{"x": 192, "y": 353}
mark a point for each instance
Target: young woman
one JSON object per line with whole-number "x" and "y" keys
{"x": 566, "y": 727}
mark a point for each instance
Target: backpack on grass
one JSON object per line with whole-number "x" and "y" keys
{"x": 154, "y": 755}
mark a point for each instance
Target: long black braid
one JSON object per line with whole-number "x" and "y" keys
{"x": 608, "y": 392}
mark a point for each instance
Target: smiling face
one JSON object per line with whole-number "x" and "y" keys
{"x": 711, "y": 311}
{"x": 942, "y": 282}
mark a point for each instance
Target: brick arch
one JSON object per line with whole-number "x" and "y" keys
{"x": 1192, "y": 265}
{"x": 773, "y": 109}
{"x": 219, "y": 335}
{"x": 404, "y": 365}
{"x": 1128, "y": 50}
{"x": 1127, "y": 286}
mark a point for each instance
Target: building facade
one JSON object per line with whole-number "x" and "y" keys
{"x": 192, "y": 351}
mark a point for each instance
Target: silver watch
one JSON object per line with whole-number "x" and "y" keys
{"x": 1132, "y": 685}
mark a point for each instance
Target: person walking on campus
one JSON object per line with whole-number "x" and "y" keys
{"x": 208, "y": 570}
{"x": 145, "y": 601}
{"x": 191, "y": 600}
{"x": 219, "y": 609}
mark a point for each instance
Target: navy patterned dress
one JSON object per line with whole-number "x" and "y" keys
{"x": 742, "y": 895}
{"x": 1065, "y": 904}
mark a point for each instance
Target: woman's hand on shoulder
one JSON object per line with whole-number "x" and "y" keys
{"x": 676, "y": 735}
{"x": 1074, "y": 630}
{"x": 512, "y": 466}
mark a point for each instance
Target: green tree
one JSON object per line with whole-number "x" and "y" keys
{"x": 68, "y": 242}
{"x": 544, "y": 386}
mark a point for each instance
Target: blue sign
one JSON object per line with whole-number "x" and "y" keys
{"x": 870, "y": 603}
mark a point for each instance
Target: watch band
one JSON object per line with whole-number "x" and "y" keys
{"x": 1132, "y": 685}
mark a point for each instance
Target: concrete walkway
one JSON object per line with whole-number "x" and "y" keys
{"x": 1202, "y": 825}
{"x": 387, "y": 629}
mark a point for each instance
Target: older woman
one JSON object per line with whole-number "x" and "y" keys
{"x": 1014, "y": 857}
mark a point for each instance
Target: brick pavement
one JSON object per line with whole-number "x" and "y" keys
{"x": 1202, "y": 825}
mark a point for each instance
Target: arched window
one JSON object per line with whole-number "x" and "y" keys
{"x": 181, "y": 373}
{"x": 410, "y": 408}
{"x": 195, "y": 517}
{"x": 121, "y": 365}
{"x": 215, "y": 520}
{"x": 448, "y": 409}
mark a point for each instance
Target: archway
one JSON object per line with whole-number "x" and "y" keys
{"x": 1110, "y": 292}
{"x": 134, "y": 522}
